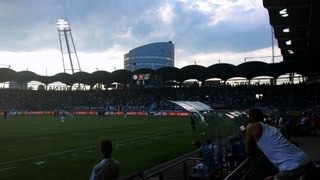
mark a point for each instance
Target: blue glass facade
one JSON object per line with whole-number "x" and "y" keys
{"x": 151, "y": 56}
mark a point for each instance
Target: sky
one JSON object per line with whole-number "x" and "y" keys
{"x": 204, "y": 32}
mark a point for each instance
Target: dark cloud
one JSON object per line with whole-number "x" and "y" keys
{"x": 98, "y": 25}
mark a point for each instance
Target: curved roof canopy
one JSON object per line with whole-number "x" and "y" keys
{"x": 64, "y": 78}
{"x": 253, "y": 69}
{"x": 100, "y": 77}
{"x": 26, "y": 76}
{"x": 223, "y": 71}
{"x": 7, "y": 74}
{"x": 121, "y": 76}
{"x": 82, "y": 77}
{"x": 170, "y": 73}
{"x": 194, "y": 72}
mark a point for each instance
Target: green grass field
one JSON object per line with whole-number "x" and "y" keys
{"x": 40, "y": 147}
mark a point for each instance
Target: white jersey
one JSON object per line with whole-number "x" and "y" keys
{"x": 283, "y": 154}
{"x": 99, "y": 171}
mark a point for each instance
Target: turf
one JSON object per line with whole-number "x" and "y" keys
{"x": 41, "y": 147}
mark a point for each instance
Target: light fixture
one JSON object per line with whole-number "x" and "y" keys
{"x": 288, "y": 42}
{"x": 63, "y": 24}
{"x": 286, "y": 30}
{"x": 284, "y": 12}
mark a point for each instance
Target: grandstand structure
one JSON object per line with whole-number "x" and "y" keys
{"x": 295, "y": 30}
{"x": 165, "y": 75}
{"x": 294, "y": 24}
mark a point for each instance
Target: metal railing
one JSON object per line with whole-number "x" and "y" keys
{"x": 179, "y": 168}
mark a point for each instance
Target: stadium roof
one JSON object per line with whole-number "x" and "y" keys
{"x": 247, "y": 70}
{"x": 294, "y": 23}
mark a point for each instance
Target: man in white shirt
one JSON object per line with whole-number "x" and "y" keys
{"x": 108, "y": 168}
{"x": 290, "y": 160}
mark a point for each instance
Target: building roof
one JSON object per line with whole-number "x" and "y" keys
{"x": 294, "y": 23}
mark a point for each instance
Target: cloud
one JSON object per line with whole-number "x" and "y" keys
{"x": 166, "y": 13}
{"x": 185, "y": 58}
{"x": 49, "y": 61}
{"x": 240, "y": 12}
{"x": 127, "y": 34}
{"x": 103, "y": 31}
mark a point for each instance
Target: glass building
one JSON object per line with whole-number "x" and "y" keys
{"x": 151, "y": 56}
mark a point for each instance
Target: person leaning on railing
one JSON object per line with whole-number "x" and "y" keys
{"x": 291, "y": 161}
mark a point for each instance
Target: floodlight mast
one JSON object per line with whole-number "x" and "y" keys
{"x": 65, "y": 30}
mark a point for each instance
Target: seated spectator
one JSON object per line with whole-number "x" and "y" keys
{"x": 108, "y": 168}
{"x": 316, "y": 123}
{"x": 208, "y": 152}
{"x": 305, "y": 126}
{"x": 291, "y": 161}
{"x": 230, "y": 156}
{"x": 239, "y": 150}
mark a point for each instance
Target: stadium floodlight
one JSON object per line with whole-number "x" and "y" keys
{"x": 63, "y": 24}
{"x": 68, "y": 46}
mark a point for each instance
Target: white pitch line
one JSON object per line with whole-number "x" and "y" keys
{"x": 8, "y": 168}
{"x": 89, "y": 147}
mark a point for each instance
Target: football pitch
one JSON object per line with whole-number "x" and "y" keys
{"x": 41, "y": 147}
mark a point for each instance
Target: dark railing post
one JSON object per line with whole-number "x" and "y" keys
{"x": 160, "y": 176}
{"x": 185, "y": 170}
{"x": 141, "y": 175}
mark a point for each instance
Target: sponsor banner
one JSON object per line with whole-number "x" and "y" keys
{"x": 177, "y": 114}
{"x": 119, "y": 113}
{"x": 85, "y": 113}
{"x": 142, "y": 113}
{"x": 159, "y": 113}
{"x": 93, "y": 112}
{"x": 35, "y": 113}
{"x": 132, "y": 113}
{"x": 182, "y": 114}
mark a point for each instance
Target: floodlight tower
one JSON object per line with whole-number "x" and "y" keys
{"x": 64, "y": 32}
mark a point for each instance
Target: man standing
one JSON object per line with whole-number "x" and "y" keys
{"x": 5, "y": 114}
{"x": 193, "y": 121}
{"x": 108, "y": 168}
{"x": 290, "y": 160}
{"x": 62, "y": 116}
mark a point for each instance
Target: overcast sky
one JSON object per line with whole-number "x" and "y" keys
{"x": 203, "y": 31}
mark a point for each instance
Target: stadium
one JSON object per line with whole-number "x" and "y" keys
{"x": 146, "y": 111}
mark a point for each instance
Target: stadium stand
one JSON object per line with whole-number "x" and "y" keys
{"x": 292, "y": 20}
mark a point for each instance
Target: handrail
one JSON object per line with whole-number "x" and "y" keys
{"x": 259, "y": 158}
{"x": 186, "y": 156}
{"x": 145, "y": 175}
{"x": 167, "y": 167}
{"x": 137, "y": 174}
{"x": 243, "y": 164}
